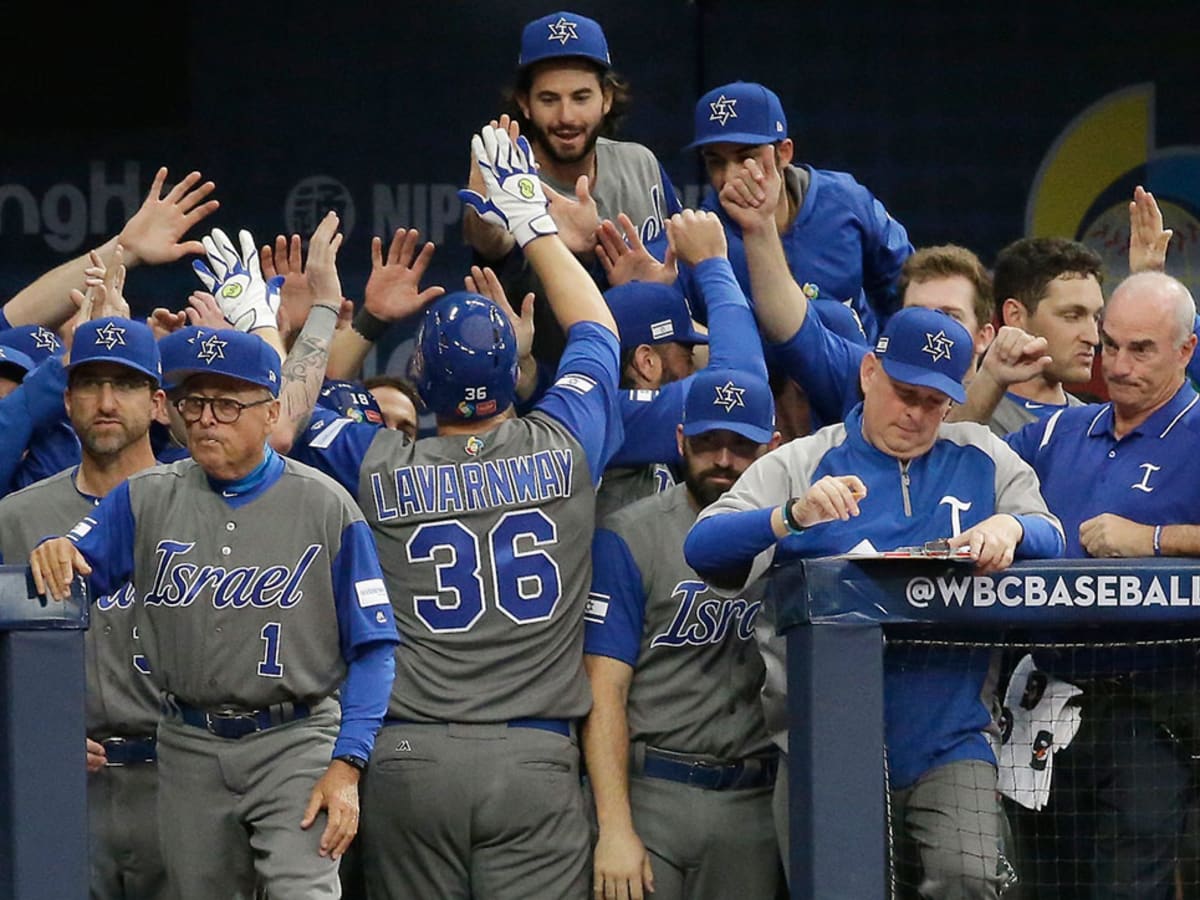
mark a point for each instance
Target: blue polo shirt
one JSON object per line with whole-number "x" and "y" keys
{"x": 1148, "y": 476}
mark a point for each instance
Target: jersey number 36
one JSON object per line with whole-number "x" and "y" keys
{"x": 523, "y": 578}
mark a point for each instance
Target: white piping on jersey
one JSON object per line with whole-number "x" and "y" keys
{"x": 1182, "y": 412}
{"x": 325, "y": 438}
{"x": 1103, "y": 410}
{"x": 1050, "y": 424}
{"x": 904, "y": 480}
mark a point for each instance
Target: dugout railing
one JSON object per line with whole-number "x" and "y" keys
{"x": 836, "y": 615}
{"x": 43, "y": 779}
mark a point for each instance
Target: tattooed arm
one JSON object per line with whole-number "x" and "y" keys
{"x": 304, "y": 368}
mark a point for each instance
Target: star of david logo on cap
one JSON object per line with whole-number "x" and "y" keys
{"x": 563, "y": 31}
{"x": 729, "y": 395}
{"x": 723, "y": 110}
{"x": 110, "y": 335}
{"x": 937, "y": 345}
{"x": 212, "y": 349}
{"x": 44, "y": 339}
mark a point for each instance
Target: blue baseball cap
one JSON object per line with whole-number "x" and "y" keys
{"x": 35, "y": 341}
{"x": 927, "y": 348}
{"x": 236, "y": 354}
{"x": 651, "y": 313}
{"x": 125, "y": 342}
{"x": 14, "y": 364}
{"x": 741, "y": 112}
{"x": 729, "y": 399}
{"x": 840, "y": 319}
{"x": 563, "y": 34}
{"x": 350, "y": 399}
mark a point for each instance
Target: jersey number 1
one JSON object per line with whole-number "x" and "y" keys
{"x": 270, "y": 665}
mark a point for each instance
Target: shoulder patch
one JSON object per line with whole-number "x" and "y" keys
{"x": 596, "y": 610}
{"x": 580, "y": 384}
{"x": 371, "y": 592}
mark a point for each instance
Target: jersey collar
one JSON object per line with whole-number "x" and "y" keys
{"x": 1160, "y": 423}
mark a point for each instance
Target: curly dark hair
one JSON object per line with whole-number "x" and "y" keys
{"x": 609, "y": 81}
{"x": 1025, "y": 268}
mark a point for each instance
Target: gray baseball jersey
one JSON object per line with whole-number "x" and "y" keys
{"x": 122, "y": 700}
{"x": 1013, "y": 413}
{"x": 239, "y": 605}
{"x": 481, "y": 540}
{"x": 623, "y": 485}
{"x": 697, "y": 670}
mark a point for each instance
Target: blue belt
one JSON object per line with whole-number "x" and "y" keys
{"x": 558, "y": 726}
{"x": 233, "y": 724}
{"x": 742, "y": 774}
{"x": 123, "y": 751}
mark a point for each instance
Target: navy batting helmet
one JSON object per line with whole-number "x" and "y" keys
{"x": 465, "y": 362}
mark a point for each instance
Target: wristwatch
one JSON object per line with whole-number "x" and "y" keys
{"x": 351, "y": 760}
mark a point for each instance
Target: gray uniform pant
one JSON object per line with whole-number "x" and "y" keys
{"x": 706, "y": 845}
{"x": 231, "y": 809}
{"x": 947, "y": 827}
{"x": 474, "y": 811}
{"x": 124, "y": 856}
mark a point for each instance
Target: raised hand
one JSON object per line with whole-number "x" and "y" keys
{"x": 695, "y": 236}
{"x": 393, "y": 291}
{"x": 751, "y": 193}
{"x": 626, "y": 258}
{"x": 236, "y": 280}
{"x": 1148, "y": 239}
{"x": 515, "y": 199}
{"x": 577, "y": 219}
{"x": 154, "y": 234}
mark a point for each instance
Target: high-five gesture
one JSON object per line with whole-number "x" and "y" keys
{"x": 515, "y": 199}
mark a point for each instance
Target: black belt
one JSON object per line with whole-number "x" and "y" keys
{"x": 558, "y": 726}
{"x": 128, "y": 751}
{"x": 741, "y": 774}
{"x": 233, "y": 724}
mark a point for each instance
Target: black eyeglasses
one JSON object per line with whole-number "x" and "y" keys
{"x": 225, "y": 410}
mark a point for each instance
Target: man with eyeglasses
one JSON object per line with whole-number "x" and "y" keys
{"x": 268, "y": 627}
{"x": 112, "y": 396}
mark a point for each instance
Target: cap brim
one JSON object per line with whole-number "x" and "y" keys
{"x": 920, "y": 377}
{"x": 177, "y": 377}
{"x": 752, "y": 432}
{"x": 735, "y": 137}
{"x": 123, "y": 361}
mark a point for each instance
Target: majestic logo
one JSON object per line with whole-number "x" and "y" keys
{"x": 729, "y": 396}
{"x": 956, "y": 508}
{"x": 110, "y": 335}
{"x": 563, "y": 31}
{"x": 44, "y": 339}
{"x": 1144, "y": 484}
{"x": 938, "y": 346}
{"x": 723, "y": 110}
{"x": 212, "y": 348}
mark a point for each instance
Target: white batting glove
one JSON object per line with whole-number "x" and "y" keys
{"x": 236, "y": 281}
{"x": 515, "y": 200}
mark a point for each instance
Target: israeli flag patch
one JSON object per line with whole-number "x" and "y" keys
{"x": 663, "y": 329}
{"x": 596, "y": 610}
{"x": 580, "y": 384}
{"x": 371, "y": 592}
{"x": 82, "y": 528}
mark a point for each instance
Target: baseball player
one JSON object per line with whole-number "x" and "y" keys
{"x": 567, "y": 100}
{"x": 894, "y": 475}
{"x": 678, "y": 755}
{"x": 840, "y": 242}
{"x": 263, "y": 612}
{"x": 112, "y": 395}
{"x": 484, "y": 534}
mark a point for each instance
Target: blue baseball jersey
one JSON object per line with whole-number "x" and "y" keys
{"x": 255, "y": 593}
{"x": 825, "y": 364}
{"x": 650, "y": 417}
{"x": 842, "y": 245}
{"x": 33, "y": 417}
{"x": 1148, "y": 475}
{"x": 935, "y": 706}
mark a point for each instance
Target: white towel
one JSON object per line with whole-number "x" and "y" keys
{"x": 1041, "y": 722}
